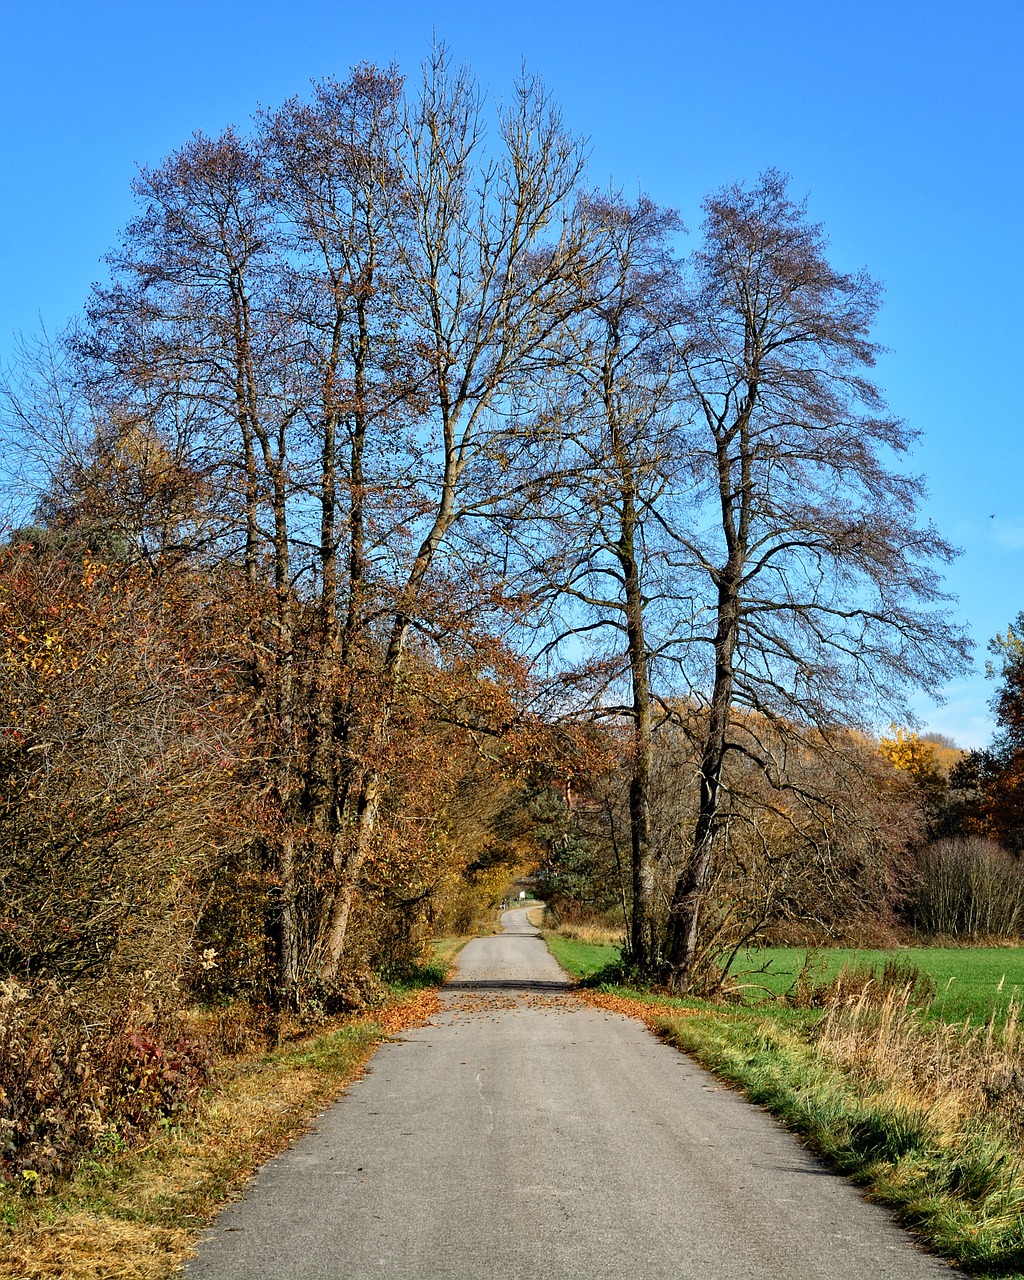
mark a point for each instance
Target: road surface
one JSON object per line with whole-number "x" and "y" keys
{"x": 524, "y": 1134}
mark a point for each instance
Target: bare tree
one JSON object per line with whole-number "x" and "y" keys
{"x": 820, "y": 584}
{"x": 367, "y": 360}
{"x": 487, "y": 285}
{"x": 607, "y": 563}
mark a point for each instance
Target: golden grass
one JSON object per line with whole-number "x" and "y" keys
{"x": 445, "y": 950}
{"x": 84, "y": 1246}
{"x": 137, "y": 1216}
{"x": 595, "y": 935}
{"x": 957, "y": 1073}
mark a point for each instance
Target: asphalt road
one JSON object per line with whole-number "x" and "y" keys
{"x": 524, "y": 1134}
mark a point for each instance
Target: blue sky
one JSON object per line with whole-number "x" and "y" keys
{"x": 901, "y": 121}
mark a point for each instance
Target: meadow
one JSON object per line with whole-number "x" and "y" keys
{"x": 970, "y": 982}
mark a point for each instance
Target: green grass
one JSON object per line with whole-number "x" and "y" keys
{"x": 581, "y": 959}
{"x": 336, "y": 1053}
{"x": 971, "y": 982}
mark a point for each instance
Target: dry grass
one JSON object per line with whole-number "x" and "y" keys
{"x": 593, "y": 934}
{"x": 86, "y": 1246}
{"x": 445, "y": 950}
{"x": 957, "y": 1074}
{"x": 137, "y": 1215}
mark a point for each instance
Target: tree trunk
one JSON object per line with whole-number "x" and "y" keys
{"x": 691, "y": 886}
{"x": 288, "y": 938}
{"x": 641, "y": 933}
{"x": 349, "y": 865}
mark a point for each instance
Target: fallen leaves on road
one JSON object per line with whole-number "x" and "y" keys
{"x": 650, "y": 1013}
{"x": 487, "y": 1003}
{"x": 414, "y": 1011}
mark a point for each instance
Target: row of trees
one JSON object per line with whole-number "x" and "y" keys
{"x": 137, "y": 809}
{"x": 476, "y": 477}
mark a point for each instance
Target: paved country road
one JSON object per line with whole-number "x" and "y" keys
{"x": 524, "y": 1134}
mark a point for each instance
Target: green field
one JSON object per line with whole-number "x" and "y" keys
{"x": 581, "y": 959}
{"x": 970, "y": 982}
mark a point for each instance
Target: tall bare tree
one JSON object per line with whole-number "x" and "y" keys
{"x": 619, "y": 482}
{"x": 821, "y": 585}
{"x": 488, "y": 285}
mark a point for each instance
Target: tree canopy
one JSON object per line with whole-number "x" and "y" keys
{"x": 475, "y": 483}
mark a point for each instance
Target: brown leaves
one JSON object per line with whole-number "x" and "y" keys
{"x": 413, "y": 1011}
{"x": 651, "y": 1013}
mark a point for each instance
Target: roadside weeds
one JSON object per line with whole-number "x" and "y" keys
{"x": 137, "y": 1215}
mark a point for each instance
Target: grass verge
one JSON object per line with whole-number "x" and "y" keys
{"x": 948, "y": 1170}
{"x": 927, "y": 1115}
{"x": 135, "y": 1215}
{"x": 580, "y": 958}
{"x": 444, "y": 951}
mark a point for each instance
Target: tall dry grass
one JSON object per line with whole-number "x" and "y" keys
{"x": 958, "y": 1074}
{"x": 594, "y": 934}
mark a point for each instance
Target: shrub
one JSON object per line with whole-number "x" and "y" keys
{"x": 74, "y": 1081}
{"x": 898, "y": 979}
{"x": 968, "y": 887}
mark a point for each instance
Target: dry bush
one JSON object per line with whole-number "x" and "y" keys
{"x": 968, "y": 887}
{"x": 73, "y": 1080}
{"x": 813, "y": 855}
{"x": 899, "y": 978}
{"x": 233, "y": 1028}
{"x": 117, "y": 763}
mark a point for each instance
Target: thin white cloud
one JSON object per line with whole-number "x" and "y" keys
{"x": 963, "y": 717}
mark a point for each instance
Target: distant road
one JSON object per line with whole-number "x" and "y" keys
{"x": 522, "y": 1134}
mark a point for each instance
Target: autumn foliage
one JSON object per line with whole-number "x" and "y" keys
{"x": 118, "y": 763}
{"x": 408, "y": 514}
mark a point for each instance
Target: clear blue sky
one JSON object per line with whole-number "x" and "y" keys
{"x": 900, "y": 119}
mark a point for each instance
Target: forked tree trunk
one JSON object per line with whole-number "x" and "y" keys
{"x": 288, "y": 937}
{"x": 350, "y": 860}
{"x": 349, "y": 875}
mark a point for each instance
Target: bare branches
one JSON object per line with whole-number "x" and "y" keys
{"x": 824, "y": 580}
